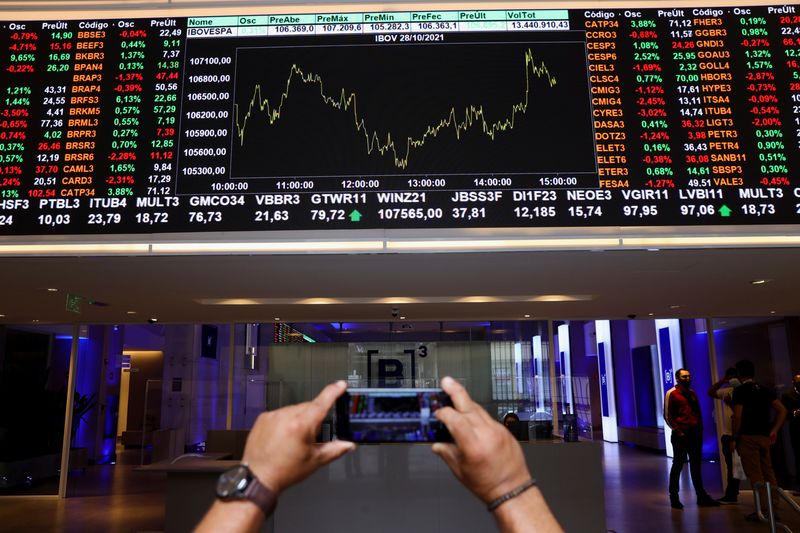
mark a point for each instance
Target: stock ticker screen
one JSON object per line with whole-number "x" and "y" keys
{"x": 423, "y": 119}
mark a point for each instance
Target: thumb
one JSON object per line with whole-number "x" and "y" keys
{"x": 450, "y": 455}
{"x": 333, "y": 450}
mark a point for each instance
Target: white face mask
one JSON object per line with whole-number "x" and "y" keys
{"x": 734, "y": 382}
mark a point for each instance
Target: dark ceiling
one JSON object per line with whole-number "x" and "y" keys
{"x": 703, "y": 283}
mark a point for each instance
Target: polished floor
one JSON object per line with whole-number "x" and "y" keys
{"x": 637, "y": 499}
{"x": 116, "y": 499}
{"x": 104, "y": 498}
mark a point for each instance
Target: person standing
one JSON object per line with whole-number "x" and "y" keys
{"x": 723, "y": 390}
{"x": 682, "y": 414}
{"x": 753, "y": 433}
{"x": 791, "y": 401}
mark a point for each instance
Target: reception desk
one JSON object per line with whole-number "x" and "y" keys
{"x": 397, "y": 488}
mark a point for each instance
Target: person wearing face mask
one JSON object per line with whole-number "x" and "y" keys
{"x": 682, "y": 414}
{"x": 791, "y": 400}
{"x": 723, "y": 390}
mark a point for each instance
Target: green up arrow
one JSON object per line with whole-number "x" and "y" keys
{"x": 355, "y": 216}
{"x": 725, "y": 211}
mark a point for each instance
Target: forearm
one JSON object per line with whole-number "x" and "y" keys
{"x": 526, "y": 513}
{"x": 231, "y": 517}
{"x": 779, "y": 420}
{"x": 668, "y": 419}
{"x": 714, "y": 388}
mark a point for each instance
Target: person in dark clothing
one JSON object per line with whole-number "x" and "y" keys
{"x": 682, "y": 414}
{"x": 723, "y": 390}
{"x": 753, "y": 432}
{"x": 791, "y": 401}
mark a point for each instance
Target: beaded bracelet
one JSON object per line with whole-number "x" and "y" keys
{"x": 494, "y": 504}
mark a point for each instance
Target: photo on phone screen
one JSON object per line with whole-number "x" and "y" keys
{"x": 391, "y": 415}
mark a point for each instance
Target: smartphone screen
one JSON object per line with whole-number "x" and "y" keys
{"x": 391, "y": 415}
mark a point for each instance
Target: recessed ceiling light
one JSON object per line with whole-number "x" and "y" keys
{"x": 35, "y": 320}
{"x": 52, "y": 289}
{"x": 650, "y": 314}
{"x": 527, "y": 316}
{"x": 397, "y": 300}
{"x": 674, "y": 306}
{"x": 771, "y": 312}
{"x": 476, "y": 299}
{"x": 131, "y": 312}
{"x": 319, "y": 301}
{"x": 759, "y": 281}
{"x": 277, "y": 319}
{"x": 402, "y": 318}
{"x": 2, "y": 316}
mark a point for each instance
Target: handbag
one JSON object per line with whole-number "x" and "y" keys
{"x": 738, "y": 469}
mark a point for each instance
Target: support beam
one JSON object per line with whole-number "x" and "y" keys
{"x": 719, "y": 406}
{"x": 66, "y": 443}
{"x": 231, "y": 367}
{"x": 551, "y": 356}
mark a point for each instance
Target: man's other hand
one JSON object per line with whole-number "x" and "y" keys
{"x": 486, "y": 457}
{"x": 281, "y": 448}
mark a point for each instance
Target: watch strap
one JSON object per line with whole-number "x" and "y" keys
{"x": 260, "y": 495}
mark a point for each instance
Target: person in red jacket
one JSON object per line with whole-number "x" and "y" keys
{"x": 682, "y": 414}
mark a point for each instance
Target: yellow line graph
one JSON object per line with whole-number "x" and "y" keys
{"x": 345, "y": 102}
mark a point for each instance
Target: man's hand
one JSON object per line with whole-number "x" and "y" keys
{"x": 485, "y": 457}
{"x": 280, "y": 449}
{"x": 773, "y": 436}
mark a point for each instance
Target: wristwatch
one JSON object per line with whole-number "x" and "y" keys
{"x": 239, "y": 483}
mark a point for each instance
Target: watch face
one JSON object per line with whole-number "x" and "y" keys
{"x": 233, "y": 482}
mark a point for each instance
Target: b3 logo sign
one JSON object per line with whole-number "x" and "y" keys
{"x": 396, "y": 365}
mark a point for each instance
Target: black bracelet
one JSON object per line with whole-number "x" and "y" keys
{"x": 494, "y": 504}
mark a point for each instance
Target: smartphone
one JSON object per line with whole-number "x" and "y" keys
{"x": 391, "y": 415}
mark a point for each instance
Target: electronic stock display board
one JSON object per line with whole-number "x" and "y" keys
{"x": 405, "y": 119}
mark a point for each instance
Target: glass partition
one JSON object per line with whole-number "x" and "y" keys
{"x": 773, "y": 345}
{"x": 505, "y": 366}
{"x": 34, "y": 368}
{"x": 155, "y": 392}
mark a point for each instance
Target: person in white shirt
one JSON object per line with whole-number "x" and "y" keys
{"x": 723, "y": 390}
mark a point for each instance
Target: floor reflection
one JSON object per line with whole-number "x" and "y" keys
{"x": 637, "y": 498}
{"x": 115, "y": 498}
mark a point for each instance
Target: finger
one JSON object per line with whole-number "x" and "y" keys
{"x": 325, "y": 400}
{"x": 461, "y": 400}
{"x": 482, "y": 414}
{"x": 450, "y": 455}
{"x": 333, "y": 450}
{"x": 459, "y": 426}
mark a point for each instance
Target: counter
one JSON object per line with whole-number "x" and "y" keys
{"x": 397, "y": 488}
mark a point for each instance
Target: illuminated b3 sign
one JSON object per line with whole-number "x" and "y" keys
{"x": 393, "y": 365}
